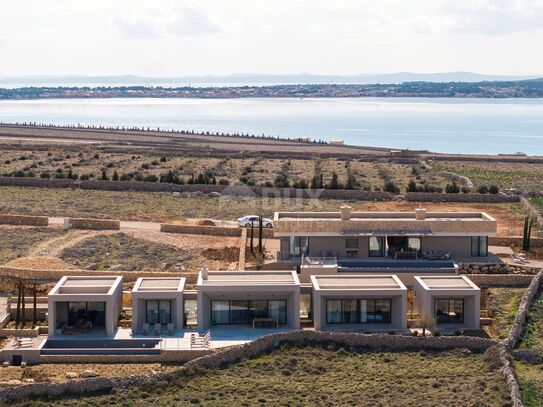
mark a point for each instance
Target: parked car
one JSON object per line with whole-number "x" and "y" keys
{"x": 245, "y": 221}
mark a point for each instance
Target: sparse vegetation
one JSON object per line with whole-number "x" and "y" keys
{"x": 316, "y": 376}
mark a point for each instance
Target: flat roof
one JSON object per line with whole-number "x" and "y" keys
{"x": 86, "y": 285}
{"x": 148, "y": 284}
{"x": 446, "y": 283}
{"x": 357, "y": 282}
{"x": 248, "y": 278}
{"x": 384, "y": 223}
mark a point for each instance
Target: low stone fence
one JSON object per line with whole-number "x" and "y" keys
{"x": 200, "y": 230}
{"x": 472, "y": 198}
{"x": 24, "y": 220}
{"x": 495, "y": 268}
{"x": 522, "y": 314}
{"x": 94, "y": 224}
{"x": 508, "y": 372}
{"x": 533, "y": 212}
{"x": 501, "y": 280}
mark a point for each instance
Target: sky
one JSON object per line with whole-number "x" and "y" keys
{"x": 218, "y": 37}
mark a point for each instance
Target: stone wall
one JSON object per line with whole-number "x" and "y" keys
{"x": 472, "y": 198}
{"x": 522, "y": 314}
{"x": 495, "y": 268}
{"x": 533, "y": 212}
{"x": 29, "y": 332}
{"x": 200, "y": 230}
{"x": 514, "y": 241}
{"x": 20, "y": 220}
{"x": 501, "y": 280}
{"x": 94, "y": 224}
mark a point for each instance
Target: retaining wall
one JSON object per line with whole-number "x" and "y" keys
{"x": 495, "y": 268}
{"x": 94, "y": 224}
{"x": 501, "y": 280}
{"x": 7, "y": 219}
{"x": 524, "y": 307}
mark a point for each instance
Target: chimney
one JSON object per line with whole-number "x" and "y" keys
{"x": 204, "y": 273}
{"x": 420, "y": 213}
{"x": 345, "y": 212}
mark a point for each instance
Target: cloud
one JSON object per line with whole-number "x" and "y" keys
{"x": 494, "y": 17}
{"x": 192, "y": 21}
{"x": 135, "y": 29}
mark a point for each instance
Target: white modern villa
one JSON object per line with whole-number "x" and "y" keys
{"x": 337, "y": 271}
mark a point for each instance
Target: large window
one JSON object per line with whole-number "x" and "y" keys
{"x": 81, "y": 312}
{"x": 449, "y": 310}
{"x": 479, "y": 246}
{"x": 298, "y": 246}
{"x": 377, "y": 246}
{"x": 243, "y": 312}
{"x": 159, "y": 312}
{"x": 347, "y": 311}
{"x": 351, "y": 247}
{"x": 413, "y": 244}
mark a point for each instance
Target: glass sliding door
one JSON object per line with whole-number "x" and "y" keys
{"x": 80, "y": 312}
{"x": 413, "y": 245}
{"x": 479, "y": 246}
{"x": 243, "y": 312}
{"x": 377, "y": 246}
{"x": 299, "y": 246}
{"x": 220, "y": 312}
{"x": 333, "y": 312}
{"x": 358, "y": 311}
{"x": 449, "y": 310}
{"x": 277, "y": 309}
{"x": 158, "y": 312}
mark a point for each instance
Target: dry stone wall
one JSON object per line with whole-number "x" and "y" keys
{"x": 200, "y": 230}
{"x": 24, "y": 220}
{"x": 474, "y": 198}
{"x": 94, "y": 224}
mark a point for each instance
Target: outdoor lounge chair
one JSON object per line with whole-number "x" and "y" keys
{"x": 199, "y": 341}
{"x": 157, "y": 329}
{"x": 23, "y": 342}
{"x": 145, "y": 329}
{"x": 170, "y": 329}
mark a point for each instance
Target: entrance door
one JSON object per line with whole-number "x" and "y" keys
{"x": 16, "y": 360}
{"x": 396, "y": 244}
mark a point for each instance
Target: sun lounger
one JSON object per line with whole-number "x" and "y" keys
{"x": 197, "y": 341}
{"x": 170, "y": 329}
{"x": 157, "y": 329}
{"x": 145, "y": 329}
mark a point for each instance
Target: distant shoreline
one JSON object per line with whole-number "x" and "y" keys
{"x": 476, "y": 90}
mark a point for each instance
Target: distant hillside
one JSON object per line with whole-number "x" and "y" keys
{"x": 257, "y": 79}
{"x": 532, "y": 88}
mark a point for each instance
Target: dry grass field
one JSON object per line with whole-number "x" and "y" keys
{"x": 17, "y": 241}
{"x": 320, "y": 377}
{"x": 502, "y": 305}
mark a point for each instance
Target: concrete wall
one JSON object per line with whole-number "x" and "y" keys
{"x": 325, "y": 246}
{"x": 458, "y": 246}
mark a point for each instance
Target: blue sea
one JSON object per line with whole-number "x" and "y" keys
{"x": 476, "y": 126}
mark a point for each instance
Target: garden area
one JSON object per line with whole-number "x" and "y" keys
{"x": 326, "y": 377}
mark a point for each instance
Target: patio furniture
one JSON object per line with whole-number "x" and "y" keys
{"x": 157, "y": 329}
{"x": 266, "y": 320}
{"x": 23, "y": 342}
{"x": 68, "y": 330}
{"x": 170, "y": 329}
{"x": 86, "y": 327}
{"x": 198, "y": 341}
{"x": 145, "y": 329}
